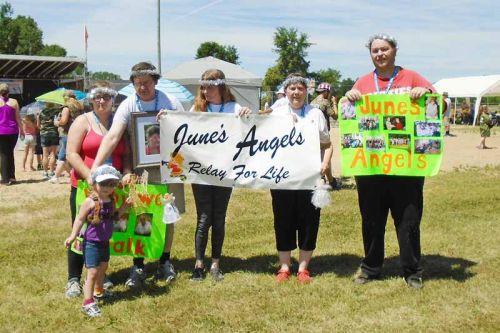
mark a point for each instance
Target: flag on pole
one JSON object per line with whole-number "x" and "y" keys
{"x": 86, "y": 36}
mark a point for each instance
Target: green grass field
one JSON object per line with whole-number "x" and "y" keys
{"x": 461, "y": 256}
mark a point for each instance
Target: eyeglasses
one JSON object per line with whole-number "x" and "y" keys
{"x": 104, "y": 97}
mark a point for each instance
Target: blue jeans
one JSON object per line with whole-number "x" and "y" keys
{"x": 95, "y": 252}
{"x": 63, "y": 140}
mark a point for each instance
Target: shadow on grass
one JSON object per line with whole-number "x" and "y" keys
{"x": 436, "y": 267}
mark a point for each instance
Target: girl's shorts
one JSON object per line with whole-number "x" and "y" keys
{"x": 95, "y": 252}
{"x": 29, "y": 140}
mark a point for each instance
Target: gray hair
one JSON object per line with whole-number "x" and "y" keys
{"x": 388, "y": 38}
{"x": 295, "y": 78}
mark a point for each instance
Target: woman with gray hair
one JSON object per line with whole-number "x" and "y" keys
{"x": 377, "y": 194}
{"x": 10, "y": 128}
{"x": 296, "y": 220}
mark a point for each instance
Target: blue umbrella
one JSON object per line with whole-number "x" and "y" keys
{"x": 167, "y": 86}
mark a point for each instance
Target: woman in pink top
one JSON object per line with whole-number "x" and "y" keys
{"x": 84, "y": 138}
{"x": 10, "y": 128}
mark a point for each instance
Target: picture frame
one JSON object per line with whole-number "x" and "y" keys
{"x": 144, "y": 154}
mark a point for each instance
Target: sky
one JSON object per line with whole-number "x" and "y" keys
{"x": 438, "y": 39}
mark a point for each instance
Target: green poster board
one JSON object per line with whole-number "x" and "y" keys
{"x": 141, "y": 232}
{"x": 391, "y": 135}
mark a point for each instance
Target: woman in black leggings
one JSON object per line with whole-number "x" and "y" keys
{"x": 212, "y": 201}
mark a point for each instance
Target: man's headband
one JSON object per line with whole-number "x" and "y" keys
{"x": 142, "y": 72}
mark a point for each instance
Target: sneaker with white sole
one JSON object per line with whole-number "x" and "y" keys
{"x": 108, "y": 284}
{"x": 73, "y": 289}
{"x": 166, "y": 272}
{"x": 54, "y": 180}
{"x": 136, "y": 277}
{"x": 92, "y": 310}
{"x": 106, "y": 295}
{"x": 45, "y": 176}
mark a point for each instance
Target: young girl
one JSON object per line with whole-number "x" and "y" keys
{"x": 30, "y": 129}
{"x": 97, "y": 211}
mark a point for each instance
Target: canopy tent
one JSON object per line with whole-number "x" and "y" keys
{"x": 243, "y": 84}
{"x": 470, "y": 86}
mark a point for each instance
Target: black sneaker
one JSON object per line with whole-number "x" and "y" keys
{"x": 363, "y": 278}
{"x": 216, "y": 273}
{"x": 198, "y": 274}
{"x": 414, "y": 282}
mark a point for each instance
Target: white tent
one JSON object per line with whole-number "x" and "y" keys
{"x": 470, "y": 86}
{"x": 244, "y": 85}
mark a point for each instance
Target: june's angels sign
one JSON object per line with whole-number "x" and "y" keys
{"x": 257, "y": 151}
{"x": 392, "y": 135}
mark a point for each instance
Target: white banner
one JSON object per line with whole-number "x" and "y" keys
{"x": 258, "y": 151}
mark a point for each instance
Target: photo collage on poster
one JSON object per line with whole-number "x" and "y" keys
{"x": 384, "y": 132}
{"x": 142, "y": 227}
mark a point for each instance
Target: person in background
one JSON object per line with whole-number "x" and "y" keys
{"x": 211, "y": 201}
{"x": 377, "y": 194}
{"x": 49, "y": 138}
{"x": 280, "y": 100}
{"x": 447, "y": 114}
{"x": 323, "y": 101}
{"x": 327, "y": 105}
{"x": 10, "y": 129}
{"x": 29, "y": 126}
{"x": 144, "y": 76}
{"x": 296, "y": 219}
{"x": 485, "y": 124}
{"x": 72, "y": 109}
{"x": 84, "y": 139}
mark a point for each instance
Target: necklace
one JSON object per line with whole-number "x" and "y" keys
{"x": 99, "y": 123}
{"x": 220, "y": 110}
{"x": 391, "y": 80}
{"x": 139, "y": 105}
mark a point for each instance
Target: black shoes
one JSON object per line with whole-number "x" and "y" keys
{"x": 414, "y": 282}
{"x": 198, "y": 274}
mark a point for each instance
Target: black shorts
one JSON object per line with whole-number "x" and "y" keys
{"x": 49, "y": 140}
{"x": 296, "y": 220}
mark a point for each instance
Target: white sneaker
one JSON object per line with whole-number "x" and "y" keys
{"x": 73, "y": 289}
{"x": 92, "y": 310}
{"x": 54, "y": 180}
{"x": 45, "y": 176}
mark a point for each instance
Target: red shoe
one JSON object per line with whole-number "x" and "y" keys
{"x": 283, "y": 275}
{"x": 304, "y": 277}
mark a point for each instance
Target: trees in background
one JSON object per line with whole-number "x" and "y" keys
{"x": 291, "y": 47}
{"x": 21, "y": 35}
{"x": 227, "y": 53}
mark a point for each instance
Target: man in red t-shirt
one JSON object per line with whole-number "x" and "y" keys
{"x": 378, "y": 194}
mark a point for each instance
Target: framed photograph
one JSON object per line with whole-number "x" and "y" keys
{"x": 145, "y": 139}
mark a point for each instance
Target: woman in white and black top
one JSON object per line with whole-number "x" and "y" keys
{"x": 296, "y": 220}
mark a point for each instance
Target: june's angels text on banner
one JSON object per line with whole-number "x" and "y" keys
{"x": 392, "y": 135}
{"x": 140, "y": 232}
{"x": 258, "y": 151}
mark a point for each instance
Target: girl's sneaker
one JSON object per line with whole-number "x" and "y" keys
{"x": 104, "y": 296}
{"x": 92, "y": 310}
